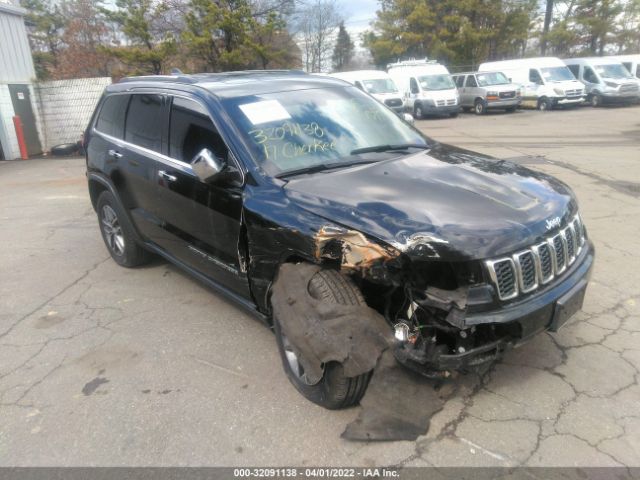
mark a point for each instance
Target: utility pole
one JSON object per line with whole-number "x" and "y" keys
{"x": 547, "y": 23}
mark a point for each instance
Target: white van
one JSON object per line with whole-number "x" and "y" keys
{"x": 427, "y": 87}
{"x": 631, "y": 62}
{"x": 376, "y": 83}
{"x": 546, "y": 81}
{"x": 605, "y": 79}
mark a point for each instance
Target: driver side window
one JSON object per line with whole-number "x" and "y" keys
{"x": 191, "y": 130}
{"x": 535, "y": 77}
{"x": 590, "y": 76}
{"x": 413, "y": 84}
{"x": 471, "y": 81}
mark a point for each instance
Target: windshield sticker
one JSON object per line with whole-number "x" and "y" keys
{"x": 264, "y": 112}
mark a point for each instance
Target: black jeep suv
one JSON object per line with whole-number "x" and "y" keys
{"x": 273, "y": 186}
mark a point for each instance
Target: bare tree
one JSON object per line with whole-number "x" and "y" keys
{"x": 316, "y": 24}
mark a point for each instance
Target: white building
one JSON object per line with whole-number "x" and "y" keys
{"x": 17, "y": 75}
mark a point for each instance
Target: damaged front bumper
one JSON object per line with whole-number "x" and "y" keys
{"x": 488, "y": 334}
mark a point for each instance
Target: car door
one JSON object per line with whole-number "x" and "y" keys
{"x": 591, "y": 80}
{"x": 470, "y": 90}
{"x": 200, "y": 221}
{"x": 137, "y": 158}
{"x": 459, "y": 79}
{"x": 414, "y": 92}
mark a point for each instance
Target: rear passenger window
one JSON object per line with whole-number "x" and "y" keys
{"x": 144, "y": 121}
{"x": 471, "y": 81}
{"x": 111, "y": 118}
{"x": 191, "y": 130}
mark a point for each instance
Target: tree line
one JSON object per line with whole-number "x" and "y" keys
{"x": 83, "y": 38}
{"x": 466, "y": 33}
{"x": 87, "y": 38}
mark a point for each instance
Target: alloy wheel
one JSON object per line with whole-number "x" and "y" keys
{"x": 112, "y": 230}
{"x": 294, "y": 364}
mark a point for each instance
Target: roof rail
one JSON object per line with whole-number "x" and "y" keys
{"x": 412, "y": 62}
{"x": 199, "y": 77}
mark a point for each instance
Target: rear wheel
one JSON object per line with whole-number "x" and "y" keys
{"x": 117, "y": 233}
{"x": 334, "y": 390}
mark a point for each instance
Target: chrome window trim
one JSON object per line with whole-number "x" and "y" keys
{"x": 519, "y": 274}
{"x": 492, "y": 273}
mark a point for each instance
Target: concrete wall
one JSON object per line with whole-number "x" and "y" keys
{"x": 65, "y": 107}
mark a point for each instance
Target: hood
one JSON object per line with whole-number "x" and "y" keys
{"x": 444, "y": 203}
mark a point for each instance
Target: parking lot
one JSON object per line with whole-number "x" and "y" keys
{"x": 101, "y": 365}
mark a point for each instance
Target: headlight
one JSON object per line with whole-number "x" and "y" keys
{"x": 559, "y": 91}
{"x": 611, "y": 84}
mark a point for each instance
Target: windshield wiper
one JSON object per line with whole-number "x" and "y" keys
{"x": 389, "y": 148}
{"x": 321, "y": 168}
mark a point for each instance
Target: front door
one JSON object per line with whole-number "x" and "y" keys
{"x": 200, "y": 221}
{"x": 21, "y": 100}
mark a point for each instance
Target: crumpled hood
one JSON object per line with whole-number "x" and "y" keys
{"x": 444, "y": 203}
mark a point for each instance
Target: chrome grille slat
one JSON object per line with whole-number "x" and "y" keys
{"x": 526, "y": 270}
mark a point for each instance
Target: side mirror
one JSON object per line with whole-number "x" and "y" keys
{"x": 407, "y": 117}
{"x": 207, "y": 166}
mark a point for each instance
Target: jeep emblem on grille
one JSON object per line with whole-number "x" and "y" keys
{"x": 553, "y": 222}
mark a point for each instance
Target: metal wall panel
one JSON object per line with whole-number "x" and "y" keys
{"x": 16, "y": 64}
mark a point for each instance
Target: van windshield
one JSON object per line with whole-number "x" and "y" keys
{"x": 380, "y": 85}
{"x": 436, "y": 82}
{"x": 614, "y": 71}
{"x": 556, "y": 74}
{"x": 494, "y": 78}
{"x": 289, "y": 131}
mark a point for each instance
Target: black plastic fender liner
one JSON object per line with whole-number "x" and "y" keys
{"x": 320, "y": 331}
{"x": 398, "y": 404}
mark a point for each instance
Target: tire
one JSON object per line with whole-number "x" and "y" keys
{"x": 334, "y": 391}
{"x": 418, "y": 113}
{"x": 596, "y": 100}
{"x": 466, "y": 109}
{"x": 64, "y": 149}
{"x": 479, "y": 107}
{"x": 454, "y": 114}
{"x": 117, "y": 233}
{"x": 544, "y": 104}
{"x": 510, "y": 109}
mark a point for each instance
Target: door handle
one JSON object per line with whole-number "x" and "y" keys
{"x": 114, "y": 153}
{"x": 166, "y": 176}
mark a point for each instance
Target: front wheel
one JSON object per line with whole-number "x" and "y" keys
{"x": 510, "y": 109}
{"x": 418, "y": 112}
{"x": 596, "y": 100}
{"x": 479, "y": 107}
{"x": 544, "y": 104}
{"x": 334, "y": 390}
{"x": 453, "y": 115}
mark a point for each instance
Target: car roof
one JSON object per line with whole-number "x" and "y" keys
{"x": 232, "y": 84}
{"x": 592, "y": 60}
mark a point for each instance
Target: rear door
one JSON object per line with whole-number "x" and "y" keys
{"x": 200, "y": 222}
{"x": 137, "y": 157}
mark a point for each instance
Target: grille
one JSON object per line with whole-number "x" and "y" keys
{"x": 524, "y": 271}
{"x": 451, "y": 101}
{"x": 393, "y": 102}
{"x": 510, "y": 94}
{"x": 629, "y": 87}
{"x": 440, "y": 103}
{"x": 546, "y": 263}
{"x": 573, "y": 93}
{"x": 558, "y": 247}
{"x": 506, "y": 278}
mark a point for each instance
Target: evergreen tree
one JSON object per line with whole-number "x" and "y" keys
{"x": 343, "y": 50}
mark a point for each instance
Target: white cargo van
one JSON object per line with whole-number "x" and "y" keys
{"x": 427, "y": 87}
{"x": 546, "y": 81}
{"x": 605, "y": 79}
{"x": 631, "y": 62}
{"x": 376, "y": 83}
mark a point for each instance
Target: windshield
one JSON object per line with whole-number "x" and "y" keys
{"x": 614, "y": 70}
{"x": 436, "y": 82}
{"x": 495, "y": 78}
{"x": 300, "y": 129}
{"x": 380, "y": 85}
{"x": 556, "y": 74}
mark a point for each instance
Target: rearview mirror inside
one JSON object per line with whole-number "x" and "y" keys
{"x": 207, "y": 165}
